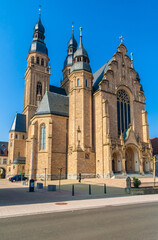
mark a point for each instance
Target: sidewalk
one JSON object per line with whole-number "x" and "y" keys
{"x": 42, "y": 208}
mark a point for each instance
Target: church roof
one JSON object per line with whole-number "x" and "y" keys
{"x": 54, "y": 103}
{"x": 19, "y": 123}
{"x": 99, "y": 74}
{"x": 58, "y": 90}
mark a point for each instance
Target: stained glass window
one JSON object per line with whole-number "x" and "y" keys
{"x": 43, "y": 136}
{"x": 123, "y": 111}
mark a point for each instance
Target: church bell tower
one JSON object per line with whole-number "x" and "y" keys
{"x": 37, "y": 73}
{"x": 81, "y": 157}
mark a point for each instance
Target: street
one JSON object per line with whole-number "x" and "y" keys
{"x": 131, "y": 222}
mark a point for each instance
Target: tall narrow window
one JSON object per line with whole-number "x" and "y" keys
{"x": 78, "y": 82}
{"x": 39, "y": 88}
{"x": 42, "y": 62}
{"x": 37, "y": 60}
{"x": 43, "y": 136}
{"x": 123, "y": 111}
{"x": 32, "y": 59}
{"x": 86, "y": 83}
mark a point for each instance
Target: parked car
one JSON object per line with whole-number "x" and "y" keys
{"x": 17, "y": 178}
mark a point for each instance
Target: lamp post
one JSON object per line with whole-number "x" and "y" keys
{"x": 45, "y": 177}
{"x": 60, "y": 171}
{"x": 154, "y": 162}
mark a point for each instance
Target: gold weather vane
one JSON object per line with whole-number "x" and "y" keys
{"x": 122, "y": 39}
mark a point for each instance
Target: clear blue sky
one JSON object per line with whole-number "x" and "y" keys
{"x": 102, "y": 21}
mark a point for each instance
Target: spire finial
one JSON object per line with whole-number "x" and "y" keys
{"x": 131, "y": 60}
{"x": 39, "y": 10}
{"x": 81, "y": 31}
{"x": 72, "y": 27}
{"x": 122, "y": 39}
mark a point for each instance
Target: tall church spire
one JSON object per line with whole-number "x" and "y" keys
{"x": 38, "y": 44}
{"x": 81, "y": 59}
{"x": 72, "y": 46}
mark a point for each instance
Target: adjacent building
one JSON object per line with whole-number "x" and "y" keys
{"x": 3, "y": 159}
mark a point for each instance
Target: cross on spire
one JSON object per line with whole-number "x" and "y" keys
{"x": 122, "y": 39}
{"x": 72, "y": 26}
{"x": 81, "y": 31}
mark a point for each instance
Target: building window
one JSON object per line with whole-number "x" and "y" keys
{"x": 39, "y": 88}
{"x": 4, "y": 161}
{"x": 23, "y": 137}
{"x": 78, "y": 82}
{"x": 9, "y": 169}
{"x": 16, "y": 136}
{"x": 123, "y": 111}
{"x": 43, "y": 136}
{"x": 11, "y": 135}
{"x": 37, "y": 60}
{"x": 11, "y": 144}
{"x": 13, "y": 167}
{"x": 42, "y": 62}
{"x": 32, "y": 59}
{"x": 86, "y": 83}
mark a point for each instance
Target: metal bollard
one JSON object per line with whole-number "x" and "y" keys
{"x": 104, "y": 188}
{"x": 89, "y": 189}
{"x": 73, "y": 190}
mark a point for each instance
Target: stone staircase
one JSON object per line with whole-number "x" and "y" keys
{"x": 131, "y": 175}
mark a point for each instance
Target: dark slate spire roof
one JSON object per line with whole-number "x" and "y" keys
{"x": 54, "y": 103}
{"x": 3, "y": 148}
{"x": 99, "y": 74}
{"x": 81, "y": 59}
{"x": 38, "y": 44}
{"x": 19, "y": 123}
{"x": 72, "y": 46}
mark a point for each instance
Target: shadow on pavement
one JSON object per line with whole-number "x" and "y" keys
{"x": 20, "y": 196}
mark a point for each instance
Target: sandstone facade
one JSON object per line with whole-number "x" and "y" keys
{"x": 94, "y": 124}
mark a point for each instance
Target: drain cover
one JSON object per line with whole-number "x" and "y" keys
{"x": 61, "y": 203}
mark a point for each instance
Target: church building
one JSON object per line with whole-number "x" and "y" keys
{"x": 94, "y": 123}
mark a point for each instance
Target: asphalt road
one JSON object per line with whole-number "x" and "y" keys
{"x": 133, "y": 222}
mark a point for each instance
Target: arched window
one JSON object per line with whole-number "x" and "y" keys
{"x": 37, "y": 60}
{"x": 123, "y": 111}
{"x": 42, "y": 62}
{"x": 78, "y": 82}
{"x": 43, "y": 137}
{"x": 86, "y": 83}
{"x": 32, "y": 59}
{"x": 39, "y": 88}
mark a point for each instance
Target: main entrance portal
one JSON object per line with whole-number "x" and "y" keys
{"x": 132, "y": 160}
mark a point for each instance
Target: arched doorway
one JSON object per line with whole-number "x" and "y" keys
{"x": 116, "y": 162}
{"x": 132, "y": 160}
{"x": 146, "y": 165}
{"x": 2, "y": 172}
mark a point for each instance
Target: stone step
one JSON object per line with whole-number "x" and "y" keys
{"x": 131, "y": 175}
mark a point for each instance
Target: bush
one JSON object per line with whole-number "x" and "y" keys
{"x": 136, "y": 182}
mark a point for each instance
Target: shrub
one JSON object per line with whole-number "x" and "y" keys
{"x": 136, "y": 182}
